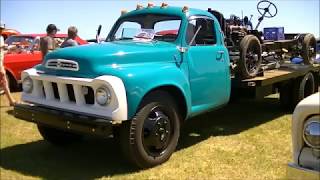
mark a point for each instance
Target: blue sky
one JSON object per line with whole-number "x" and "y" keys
{"x": 32, "y": 16}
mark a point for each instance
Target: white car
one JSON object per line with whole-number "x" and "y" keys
{"x": 306, "y": 139}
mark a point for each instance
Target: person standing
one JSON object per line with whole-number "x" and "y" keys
{"x": 70, "y": 41}
{"x": 3, "y": 80}
{"x": 247, "y": 23}
{"x": 47, "y": 43}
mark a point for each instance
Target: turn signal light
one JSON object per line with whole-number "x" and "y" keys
{"x": 123, "y": 12}
{"x": 150, "y": 5}
{"x": 164, "y": 5}
{"x": 185, "y": 9}
{"x": 139, "y": 6}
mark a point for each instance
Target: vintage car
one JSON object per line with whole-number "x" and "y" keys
{"x": 9, "y": 32}
{"x": 306, "y": 139}
{"x": 23, "y": 53}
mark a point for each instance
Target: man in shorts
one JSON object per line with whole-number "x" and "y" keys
{"x": 47, "y": 43}
{"x": 70, "y": 41}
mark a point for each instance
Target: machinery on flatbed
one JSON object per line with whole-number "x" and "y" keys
{"x": 251, "y": 54}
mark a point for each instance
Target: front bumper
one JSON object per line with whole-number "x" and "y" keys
{"x": 67, "y": 121}
{"x": 296, "y": 172}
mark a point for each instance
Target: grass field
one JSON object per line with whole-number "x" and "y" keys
{"x": 244, "y": 140}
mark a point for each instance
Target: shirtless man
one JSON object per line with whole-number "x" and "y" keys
{"x": 47, "y": 43}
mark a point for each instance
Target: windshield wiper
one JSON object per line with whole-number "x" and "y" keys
{"x": 123, "y": 38}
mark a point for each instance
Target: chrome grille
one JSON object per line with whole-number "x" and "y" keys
{"x": 62, "y": 64}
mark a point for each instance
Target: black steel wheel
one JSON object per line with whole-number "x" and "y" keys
{"x": 250, "y": 57}
{"x": 309, "y": 46}
{"x": 58, "y": 137}
{"x": 152, "y": 135}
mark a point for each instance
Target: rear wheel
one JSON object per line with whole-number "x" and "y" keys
{"x": 303, "y": 87}
{"x": 309, "y": 49}
{"x": 58, "y": 137}
{"x": 152, "y": 135}
{"x": 250, "y": 57}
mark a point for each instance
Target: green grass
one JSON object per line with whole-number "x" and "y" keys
{"x": 244, "y": 140}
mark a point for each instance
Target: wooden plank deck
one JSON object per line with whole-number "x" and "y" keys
{"x": 285, "y": 72}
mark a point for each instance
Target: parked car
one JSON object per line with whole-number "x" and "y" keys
{"x": 306, "y": 139}
{"x": 23, "y": 53}
{"x": 9, "y": 32}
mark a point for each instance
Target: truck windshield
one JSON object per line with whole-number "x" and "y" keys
{"x": 146, "y": 27}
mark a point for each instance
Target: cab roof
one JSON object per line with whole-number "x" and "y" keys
{"x": 169, "y": 10}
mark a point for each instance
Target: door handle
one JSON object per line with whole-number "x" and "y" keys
{"x": 219, "y": 56}
{"x": 220, "y": 52}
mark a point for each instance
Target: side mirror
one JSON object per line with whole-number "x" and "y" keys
{"x": 98, "y": 34}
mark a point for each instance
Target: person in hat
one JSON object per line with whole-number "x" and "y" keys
{"x": 47, "y": 43}
{"x": 70, "y": 41}
{"x": 247, "y": 23}
{"x": 3, "y": 80}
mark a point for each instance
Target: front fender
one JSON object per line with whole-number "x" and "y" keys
{"x": 139, "y": 79}
{"x": 305, "y": 109}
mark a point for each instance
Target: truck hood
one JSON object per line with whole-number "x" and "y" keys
{"x": 93, "y": 59}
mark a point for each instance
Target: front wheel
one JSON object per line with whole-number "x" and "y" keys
{"x": 152, "y": 135}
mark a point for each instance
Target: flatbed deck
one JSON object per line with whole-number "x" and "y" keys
{"x": 270, "y": 80}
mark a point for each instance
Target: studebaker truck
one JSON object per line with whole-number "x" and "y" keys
{"x": 159, "y": 66}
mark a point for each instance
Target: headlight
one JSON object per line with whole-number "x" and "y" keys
{"x": 311, "y": 132}
{"x": 103, "y": 96}
{"x": 27, "y": 85}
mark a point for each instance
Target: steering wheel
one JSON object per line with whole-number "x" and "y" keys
{"x": 264, "y": 7}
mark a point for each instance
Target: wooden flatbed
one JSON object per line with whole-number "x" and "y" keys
{"x": 270, "y": 81}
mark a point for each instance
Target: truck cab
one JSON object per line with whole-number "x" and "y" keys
{"x": 158, "y": 66}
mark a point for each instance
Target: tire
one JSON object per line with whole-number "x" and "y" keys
{"x": 303, "y": 87}
{"x": 142, "y": 141}
{"x": 58, "y": 137}
{"x": 250, "y": 44}
{"x": 13, "y": 85}
{"x": 309, "y": 49}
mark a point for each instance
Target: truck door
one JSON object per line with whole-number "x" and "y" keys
{"x": 208, "y": 69}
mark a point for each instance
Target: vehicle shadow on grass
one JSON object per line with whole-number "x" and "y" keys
{"x": 96, "y": 158}
{"x": 232, "y": 119}
{"x": 90, "y": 159}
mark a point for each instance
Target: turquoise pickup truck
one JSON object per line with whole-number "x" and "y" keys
{"x": 158, "y": 67}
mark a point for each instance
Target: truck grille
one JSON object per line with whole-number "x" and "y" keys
{"x": 65, "y": 93}
{"x": 62, "y": 64}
